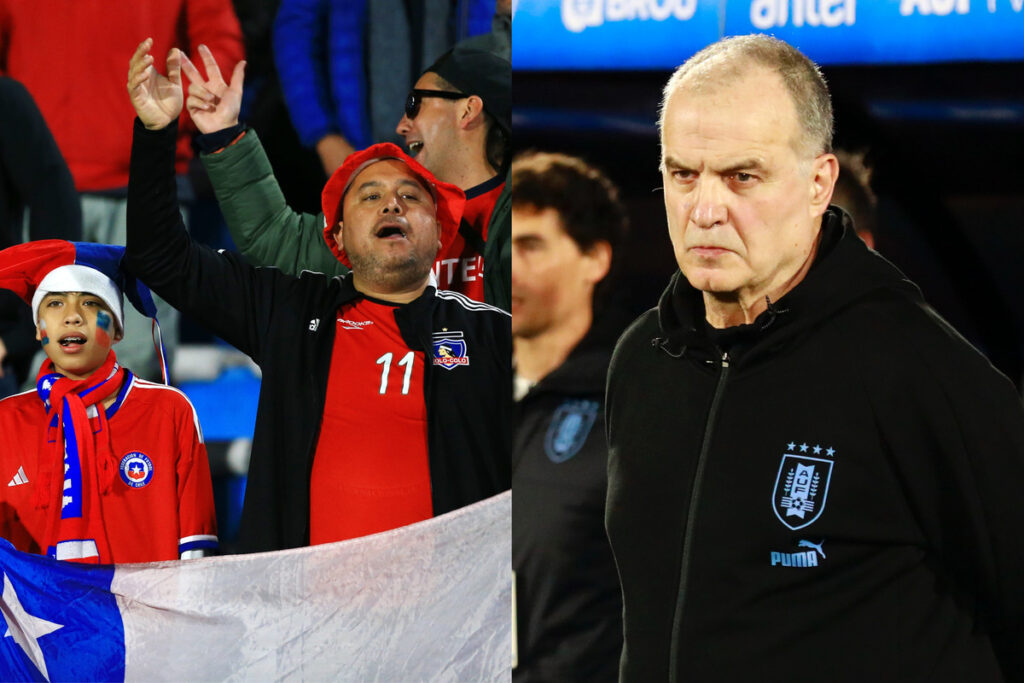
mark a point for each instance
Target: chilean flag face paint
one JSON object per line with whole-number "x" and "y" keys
{"x": 104, "y": 327}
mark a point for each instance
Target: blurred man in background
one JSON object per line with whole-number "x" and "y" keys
{"x": 567, "y": 222}
{"x": 854, "y": 194}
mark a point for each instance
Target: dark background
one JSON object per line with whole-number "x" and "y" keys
{"x": 946, "y": 142}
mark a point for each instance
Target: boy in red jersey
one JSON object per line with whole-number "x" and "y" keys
{"x": 103, "y": 467}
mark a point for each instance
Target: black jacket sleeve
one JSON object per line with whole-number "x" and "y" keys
{"x": 218, "y": 289}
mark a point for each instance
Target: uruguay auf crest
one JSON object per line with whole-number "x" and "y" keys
{"x": 801, "y": 488}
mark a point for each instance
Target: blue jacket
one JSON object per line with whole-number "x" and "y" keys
{"x": 321, "y": 58}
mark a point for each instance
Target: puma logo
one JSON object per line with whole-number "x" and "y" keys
{"x": 816, "y": 546}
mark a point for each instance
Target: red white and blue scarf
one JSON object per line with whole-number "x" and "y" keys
{"x": 78, "y": 533}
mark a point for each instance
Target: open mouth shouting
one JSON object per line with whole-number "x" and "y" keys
{"x": 415, "y": 147}
{"x": 392, "y": 230}
{"x": 72, "y": 343}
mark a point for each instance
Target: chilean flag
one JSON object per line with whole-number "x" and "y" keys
{"x": 429, "y": 601}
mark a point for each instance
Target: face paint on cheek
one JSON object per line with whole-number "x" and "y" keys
{"x": 42, "y": 327}
{"x": 103, "y": 323}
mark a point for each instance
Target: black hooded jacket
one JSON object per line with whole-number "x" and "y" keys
{"x": 836, "y": 497}
{"x": 569, "y": 604}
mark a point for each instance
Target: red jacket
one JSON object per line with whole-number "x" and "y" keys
{"x": 73, "y": 58}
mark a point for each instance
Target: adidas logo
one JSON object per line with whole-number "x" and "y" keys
{"x": 19, "y": 478}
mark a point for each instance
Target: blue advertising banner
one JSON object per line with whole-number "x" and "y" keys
{"x": 610, "y": 34}
{"x": 661, "y": 34}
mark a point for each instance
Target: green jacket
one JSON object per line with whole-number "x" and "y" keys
{"x": 498, "y": 253}
{"x": 265, "y": 229}
{"x": 269, "y": 233}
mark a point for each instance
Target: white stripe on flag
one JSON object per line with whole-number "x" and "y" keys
{"x": 431, "y": 601}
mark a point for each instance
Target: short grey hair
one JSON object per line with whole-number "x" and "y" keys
{"x": 725, "y": 60}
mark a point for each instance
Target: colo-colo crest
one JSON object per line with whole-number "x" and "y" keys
{"x": 801, "y": 488}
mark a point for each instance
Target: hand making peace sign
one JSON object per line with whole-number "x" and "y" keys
{"x": 212, "y": 103}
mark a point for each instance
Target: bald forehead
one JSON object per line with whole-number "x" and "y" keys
{"x": 715, "y": 76}
{"x": 753, "y": 89}
{"x": 753, "y": 83}
{"x": 732, "y": 59}
{"x": 715, "y": 72}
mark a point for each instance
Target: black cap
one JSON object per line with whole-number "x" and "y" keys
{"x": 475, "y": 70}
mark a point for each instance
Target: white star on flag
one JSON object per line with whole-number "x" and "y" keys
{"x": 25, "y": 628}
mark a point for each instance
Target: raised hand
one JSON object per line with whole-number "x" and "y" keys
{"x": 157, "y": 99}
{"x": 212, "y": 103}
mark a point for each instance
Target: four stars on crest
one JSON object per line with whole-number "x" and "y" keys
{"x": 816, "y": 449}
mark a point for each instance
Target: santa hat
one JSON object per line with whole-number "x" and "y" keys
{"x": 449, "y": 200}
{"x": 34, "y": 269}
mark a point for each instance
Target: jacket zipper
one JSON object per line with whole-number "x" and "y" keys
{"x": 684, "y": 569}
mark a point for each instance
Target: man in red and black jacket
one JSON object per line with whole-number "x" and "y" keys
{"x": 384, "y": 400}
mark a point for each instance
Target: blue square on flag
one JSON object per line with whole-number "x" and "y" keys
{"x": 61, "y": 622}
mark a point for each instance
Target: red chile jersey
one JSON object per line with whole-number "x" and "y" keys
{"x": 371, "y": 472}
{"x": 460, "y": 266}
{"x": 161, "y": 504}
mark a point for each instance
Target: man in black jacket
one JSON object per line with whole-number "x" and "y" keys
{"x": 383, "y": 400}
{"x": 567, "y": 223}
{"x": 811, "y": 475}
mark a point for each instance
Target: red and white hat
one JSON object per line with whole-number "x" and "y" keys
{"x": 76, "y": 278}
{"x": 449, "y": 200}
{"x": 34, "y": 269}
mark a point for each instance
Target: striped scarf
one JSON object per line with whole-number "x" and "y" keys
{"x": 78, "y": 533}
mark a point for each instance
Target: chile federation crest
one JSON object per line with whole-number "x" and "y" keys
{"x": 136, "y": 469}
{"x": 801, "y": 488}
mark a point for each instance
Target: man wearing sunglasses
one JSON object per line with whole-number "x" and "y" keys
{"x": 457, "y": 122}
